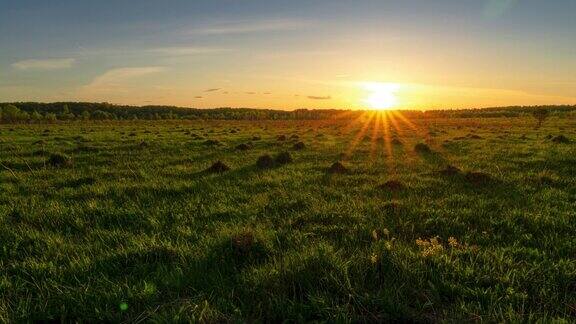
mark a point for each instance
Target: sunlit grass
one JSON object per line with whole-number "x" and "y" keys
{"x": 134, "y": 229}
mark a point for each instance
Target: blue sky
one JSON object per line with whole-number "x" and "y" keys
{"x": 288, "y": 54}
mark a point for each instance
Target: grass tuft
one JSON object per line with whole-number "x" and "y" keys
{"x": 338, "y": 168}
{"x": 422, "y": 148}
{"x": 218, "y": 167}
{"x": 265, "y": 162}
{"x": 283, "y": 158}
{"x": 59, "y": 160}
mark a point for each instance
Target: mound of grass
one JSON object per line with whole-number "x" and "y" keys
{"x": 59, "y": 160}
{"x": 450, "y": 170}
{"x": 265, "y": 162}
{"x": 218, "y": 167}
{"x": 343, "y": 156}
{"x": 212, "y": 142}
{"x": 242, "y": 242}
{"x": 393, "y": 185}
{"x": 478, "y": 178}
{"x": 281, "y": 138}
{"x": 283, "y": 158}
{"x": 299, "y": 146}
{"x": 561, "y": 139}
{"x": 422, "y": 148}
{"x": 76, "y": 183}
{"x": 338, "y": 168}
{"x": 247, "y": 248}
{"x": 40, "y": 153}
{"x": 243, "y": 147}
{"x": 83, "y": 148}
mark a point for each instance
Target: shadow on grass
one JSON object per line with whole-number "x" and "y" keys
{"x": 432, "y": 157}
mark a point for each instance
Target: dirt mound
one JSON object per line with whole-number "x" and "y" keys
{"x": 561, "y": 139}
{"x": 338, "y": 168}
{"x": 422, "y": 148}
{"x": 283, "y": 158}
{"x": 59, "y": 160}
{"x": 343, "y": 156}
{"x": 242, "y": 242}
{"x": 211, "y": 142}
{"x": 243, "y": 147}
{"x": 478, "y": 178}
{"x": 450, "y": 170}
{"x": 218, "y": 167}
{"x": 265, "y": 162}
{"x": 393, "y": 185}
{"x": 299, "y": 146}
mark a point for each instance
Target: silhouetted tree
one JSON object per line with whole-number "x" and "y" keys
{"x": 36, "y": 116}
{"x": 541, "y": 115}
{"x": 12, "y": 114}
{"x": 50, "y": 117}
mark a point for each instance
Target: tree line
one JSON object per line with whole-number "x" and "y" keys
{"x": 34, "y": 112}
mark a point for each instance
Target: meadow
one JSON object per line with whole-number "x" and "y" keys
{"x": 378, "y": 218}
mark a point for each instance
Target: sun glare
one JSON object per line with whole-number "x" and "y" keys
{"x": 381, "y": 96}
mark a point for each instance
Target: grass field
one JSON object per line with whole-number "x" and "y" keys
{"x": 122, "y": 222}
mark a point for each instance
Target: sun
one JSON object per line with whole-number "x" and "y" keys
{"x": 381, "y": 96}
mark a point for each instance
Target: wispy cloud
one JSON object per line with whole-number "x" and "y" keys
{"x": 170, "y": 51}
{"x": 185, "y": 50}
{"x": 241, "y": 27}
{"x": 44, "y": 64}
{"x": 212, "y": 90}
{"x": 497, "y": 8}
{"x": 320, "y": 97}
{"x": 117, "y": 80}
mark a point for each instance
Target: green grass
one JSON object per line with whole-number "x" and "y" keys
{"x": 135, "y": 229}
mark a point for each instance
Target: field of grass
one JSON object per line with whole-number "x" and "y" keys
{"x": 122, "y": 222}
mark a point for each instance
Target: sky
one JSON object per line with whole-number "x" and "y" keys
{"x": 347, "y": 54}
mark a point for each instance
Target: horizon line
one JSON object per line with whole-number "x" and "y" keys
{"x": 291, "y": 110}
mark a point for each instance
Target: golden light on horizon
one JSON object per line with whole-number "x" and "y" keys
{"x": 381, "y": 96}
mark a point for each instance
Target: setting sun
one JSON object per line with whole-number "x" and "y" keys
{"x": 381, "y": 96}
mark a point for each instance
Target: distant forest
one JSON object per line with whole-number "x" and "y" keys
{"x": 33, "y": 112}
